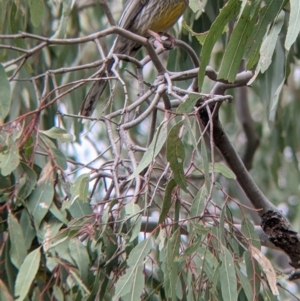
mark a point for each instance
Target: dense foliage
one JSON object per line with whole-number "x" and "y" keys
{"x": 148, "y": 199}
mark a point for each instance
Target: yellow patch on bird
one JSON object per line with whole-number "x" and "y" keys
{"x": 168, "y": 18}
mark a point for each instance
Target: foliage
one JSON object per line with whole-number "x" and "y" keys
{"x": 136, "y": 201}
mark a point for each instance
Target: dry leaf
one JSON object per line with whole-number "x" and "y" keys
{"x": 267, "y": 269}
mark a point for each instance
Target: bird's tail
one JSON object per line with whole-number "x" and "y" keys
{"x": 95, "y": 92}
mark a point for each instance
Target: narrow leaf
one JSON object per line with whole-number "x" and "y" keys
{"x": 127, "y": 282}
{"x": 79, "y": 189}
{"x": 36, "y": 11}
{"x": 269, "y": 43}
{"x": 153, "y": 149}
{"x": 198, "y": 204}
{"x": 9, "y": 159}
{"x": 245, "y": 284}
{"x": 59, "y": 134}
{"x": 175, "y": 155}
{"x": 40, "y": 200}
{"x": 293, "y": 28}
{"x": 16, "y": 236}
{"x": 81, "y": 258}
{"x": 27, "y": 274}
{"x": 235, "y": 49}
{"x": 267, "y": 14}
{"x": 230, "y": 9}
{"x": 267, "y": 269}
{"x": 4, "y": 94}
{"x": 167, "y": 200}
{"x": 188, "y": 106}
{"x": 228, "y": 279}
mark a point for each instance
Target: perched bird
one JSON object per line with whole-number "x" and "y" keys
{"x": 143, "y": 17}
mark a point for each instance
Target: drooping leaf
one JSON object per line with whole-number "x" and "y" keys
{"x": 63, "y": 22}
{"x": 249, "y": 232}
{"x": 188, "y": 106}
{"x": 79, "y": 189}
{"x": 59, "y": 157}
{"x": 245, "y": 284}
{"x": 18, "y": 251}
{"x": 167, "y": 202}
{"x": 267, "y": 269}
{"x": 175, "y": 155}
{"x": 27, "y": 274}
{"x": 36, "y": 11}
{"x": 81, "y": 258}
{"x": 129, "y": 283}
{"x": 27, "y": 229}
{"x": 235, "y": 49}
{"x": 59, "y": 134}
{"x": 266, "y": 15}
{"x": 269, "y": 43}
{"x": 9, "y": 159}
{"x": 133, "y": 211}
{"x": 228, "y": 279}
{"x": 230, "y": 9}
{"x": 5, "y": 97}
{"x": 40, "y": 200}
{"x": 205, "y": 165}
{"x": 198, "y": 203}
{"x": 27, "y": 182}
{"x": 293, "y": 28}
{"x": 152, "y": 151}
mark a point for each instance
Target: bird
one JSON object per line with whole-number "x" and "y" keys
{"x": 143, "y": 17}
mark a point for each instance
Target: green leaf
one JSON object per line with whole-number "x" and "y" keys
{"x": 58, "y": 293}
{"x": 28, "y": 230}
{"x": 205, "y": 165}
{"x": 60, "y": 214}
{"x": 235, "y": 49}
{"x": 249, "y": 231}
{"x": 59, "y": 157}
{"x": 36, "y": 11}
{"x": 59, "y": 134}
{"x": 167, "y": 202}
{"x": 228, "y": 279}
{"x": 137, "y": 286}
{"x": 27, "y": 182}
{"x": 81, "y": 258}
{"x": 63, "y": 22}
{"x": 27, "y": 274}
{"x": 230, "y": 9}
{"x": 188, "y": 106}
{"x": 5, "y": 97}
{"x": 175, "y": 155}
{"x": 223, "y": 170}
{"x": 79, "y": 209}
{"x": 195, "y": 5}
{"x": 245, "y": 284}
{"x": 17, "y": 249}
{"x": 153, "y": 149}
{"x": 198, "y": 204}
{"x": 9, "y": 159}
{"x": 253, "y": 271}
{"x": 133, "y": 212}
{"x": 269, "y": 43}
{"x": 130, "y": 283}
{"x": 293, "y": 28}
{"x": 79, "y": 189}
{"x": 170, "y": 265}
{"x": 267, "y": 14}
{"x": 40, "y": 200}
